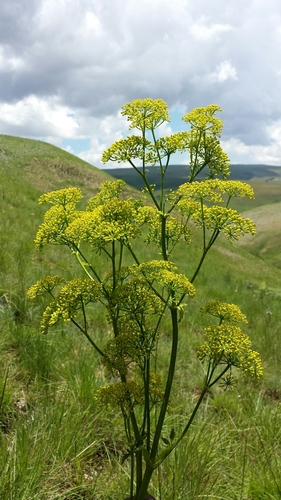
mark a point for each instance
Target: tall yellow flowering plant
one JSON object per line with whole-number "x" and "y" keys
{"x": 138, "y": 294}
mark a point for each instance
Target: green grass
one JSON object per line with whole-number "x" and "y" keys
{"x": 56, "y": 442}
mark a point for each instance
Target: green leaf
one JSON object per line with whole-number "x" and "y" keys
{"x": 165, "y": 440}
{"x": 172, "y": 434}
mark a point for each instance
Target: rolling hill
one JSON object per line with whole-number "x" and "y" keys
{"x": 45, "y": 167}
{"x": 28, "y": 168}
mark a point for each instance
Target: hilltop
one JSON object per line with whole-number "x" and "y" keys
{"x": 45, "y": 167}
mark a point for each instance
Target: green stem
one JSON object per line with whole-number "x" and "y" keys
{"x": 203, "y": 226}
{"x": 206, "y": 250}
{"x": 150, "y": 467}
{"x": 120, "y": 256}
{"x": 207, "y": 386}
{"x": 174, "y": 315}
{"x": 87, "y": 336}
{"x": 147, "y": 402}
{"x": 132, "y": 473}
{"x": 219, "y": 376}
{"x": 143, "y": 176}
{"x": 162, "y": 170}
{"x": 138, "y": 470}
{"x": 195, "y": 410}
{"x": 84, "y": 263}
{"x": 163, "y": 237}
{"x": 113, "y": 265}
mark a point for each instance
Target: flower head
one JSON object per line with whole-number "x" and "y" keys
{"x": 46, "y": 284}
{"x": 131, "y": 148}
{"x": 224, "y": 311}
{"x": 56, "y": 221}
{"x": 226, "y": 344}
{"x": 63, "y": 197}
{"x": 73, "y": 296}
{"x": 205, "y": 119}
{"x": 122, "y": 395}
{"x": 146, "y": 113}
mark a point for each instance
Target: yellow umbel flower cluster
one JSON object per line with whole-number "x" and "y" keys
{"x": 205, "y": 119}
{"x": 58, "y": 217}
{"x": 170, "y": 144}
{"x": 146, "y": 113}
{"x": 56, "y": 220}
{"x": 191, "y": 199}
{"x": 131, "y": 148}
{"x": 123, "y": 395}
{"x": 225, "y": 220}
{"x": 213, "y": 190}
{"x": 106, "y": 219}
{"x": 63, "y": 197}
{"x": 224, "y": 311}
{"x": 72, "y": 297}
{"x": 109, "y": 190}
{"x": 117, "y": 220}
{"x": 45, "y": 285}
{"x": 226, "y": 344}
{"x": 166, "y": 274}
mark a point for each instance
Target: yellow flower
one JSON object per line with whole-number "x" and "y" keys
{"x": 146, "y": 113}
{"x": 108, "y": 191}
{"x": 213, "y": 189}
{"x": 46, "y": 284}
{"x": 205, "y": 119}
{"x": 63, "y": 197}
{"x": 123, "y": 395}
{"x": 226, "y": 344}
{"x": 199, "y": 191}
{"x": 170, "y": 144}
{"x": 165, "y": 274}
{"x": 116, "y": 220}
{"x": 72, "y": 297}
{"x": 225, "y": 220}
{"x": 131, "y": 148}
{"x": 56, "y": 220}
{"x": 224, "y": 311}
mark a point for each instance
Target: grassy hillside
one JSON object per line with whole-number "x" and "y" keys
{"x": 45, "y": 167}
{"x": 56, "y": 442}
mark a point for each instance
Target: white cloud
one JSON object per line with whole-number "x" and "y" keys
{"x": 240, "y": 152}
{"x": 10, "y": 63}
{"x": 255, "y": 153}
{"x": 103, "y": 133}
{"x": 206, "y": 32}
{"x": 66, "y": 66}
{"x": 224, "y": 71}
{"x": 41, "y": 117}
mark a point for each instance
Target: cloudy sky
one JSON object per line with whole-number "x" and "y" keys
{"x": 67, "y": 66}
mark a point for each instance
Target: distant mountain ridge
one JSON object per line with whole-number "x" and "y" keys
{"x": 178, "y": 174}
